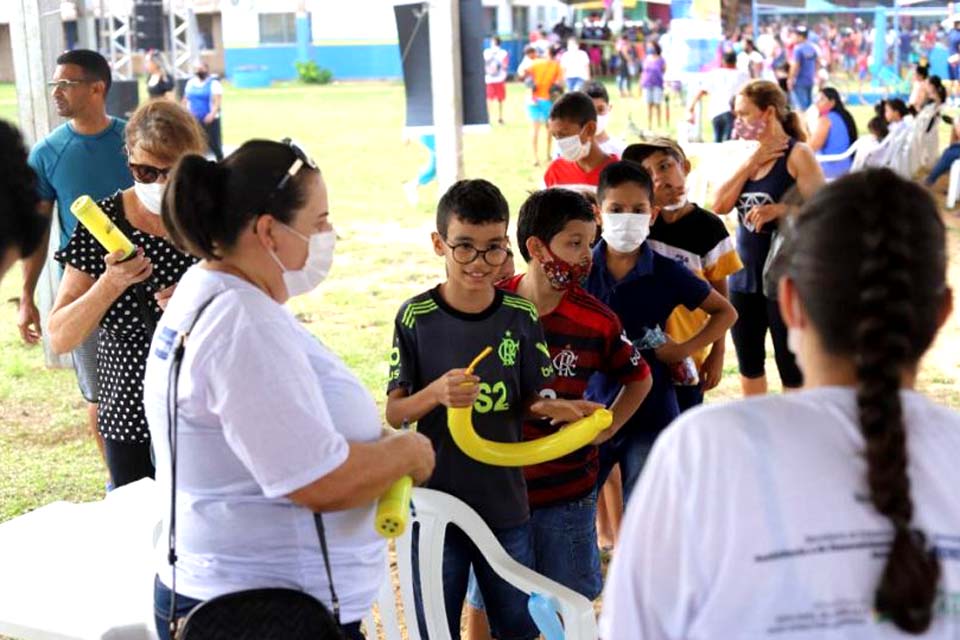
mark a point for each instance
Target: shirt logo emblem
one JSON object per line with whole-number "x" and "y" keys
{"x": 165, "y": 339}
{"x": 566, "y": 363}
{"x": 508, "y": 350}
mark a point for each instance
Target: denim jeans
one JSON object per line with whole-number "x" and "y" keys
{"x": 630, "y": 450}
{"x": 722, "y": 126}
{"x": 802, "y": 96}
{"x": 506, "y": 605}
{"x": 565, "y": 544}
{"x": 950, "y": 154}
{"x": 161, "y": 611}
{"x": 688, "y": 396}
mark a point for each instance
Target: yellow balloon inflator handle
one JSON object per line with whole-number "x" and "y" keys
{"x": 393, "y": 509}
{"x": 101, "y": 227}
{"x": 521, "y": 454}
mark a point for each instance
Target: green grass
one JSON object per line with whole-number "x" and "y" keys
{"x": 383, "y": 257}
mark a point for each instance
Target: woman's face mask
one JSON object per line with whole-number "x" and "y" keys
{"x": 747, "y": 130}
{"x": 320, "y": 248}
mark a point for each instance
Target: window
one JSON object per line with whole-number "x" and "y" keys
{"x": 205, "y": 31}
{"x": 278, "y": 28}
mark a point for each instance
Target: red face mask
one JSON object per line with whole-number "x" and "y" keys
{"x": 563, "y": 275}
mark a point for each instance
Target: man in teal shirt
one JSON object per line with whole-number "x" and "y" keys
{"x": 83, "y": 156}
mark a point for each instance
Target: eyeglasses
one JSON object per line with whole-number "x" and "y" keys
{"x": 466, "y": 253}
{"x": 67, "y": 84}
{"x": 301, "y": 160}
{"x": 147, "y": 174}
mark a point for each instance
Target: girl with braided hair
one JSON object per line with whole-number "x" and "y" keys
{"x": 827, "y": 513}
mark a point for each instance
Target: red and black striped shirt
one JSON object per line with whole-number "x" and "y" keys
{"x": 584, "y": 336}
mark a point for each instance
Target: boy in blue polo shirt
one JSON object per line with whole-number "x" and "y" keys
{"x": 644, "y": 288}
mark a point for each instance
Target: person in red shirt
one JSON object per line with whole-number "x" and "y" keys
{"x": 573, "y": 123}
{"x": 554, "y": 232}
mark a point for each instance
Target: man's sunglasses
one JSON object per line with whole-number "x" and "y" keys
{"x": 68, "y": 84}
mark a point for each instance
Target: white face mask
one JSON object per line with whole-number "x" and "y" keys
{"x": 150, "y": 195}
{"x": 625, "y": 232}
{"x": 572, "y": 148}
{"x": 676, "y": 206}
{"x": 314, "y": 271}
{"x": 602, "y": 121}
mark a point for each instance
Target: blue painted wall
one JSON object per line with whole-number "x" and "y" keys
{"x": 348, "y": 62}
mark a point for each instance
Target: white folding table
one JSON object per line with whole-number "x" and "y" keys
{"x": 81, "y": 571}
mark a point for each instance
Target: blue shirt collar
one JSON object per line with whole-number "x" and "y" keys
{"x": 644, "y": 266}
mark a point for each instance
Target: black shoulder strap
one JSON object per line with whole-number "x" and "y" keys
{"x": 172, "y": 383}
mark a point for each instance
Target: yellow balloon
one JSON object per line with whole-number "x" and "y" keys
{"x": 393, "y": 509}
{"x": 522, "y": 454}
{"x": 101, "y": 227}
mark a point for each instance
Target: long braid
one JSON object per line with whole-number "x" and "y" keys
{"x": 868, "y": 257}
{"x": 882, "y": 335}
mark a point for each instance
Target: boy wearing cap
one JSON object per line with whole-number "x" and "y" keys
{"x": 698, "y": 239}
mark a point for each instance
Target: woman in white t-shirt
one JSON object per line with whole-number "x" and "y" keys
{"x": 830, "y": 512}
{"x": 272, "y": 428}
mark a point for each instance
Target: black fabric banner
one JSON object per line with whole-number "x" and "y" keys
{"x": 413, "y": 31}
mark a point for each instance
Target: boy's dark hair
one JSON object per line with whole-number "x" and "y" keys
{"x": 95, "y": 66}
{"x": 640, "y": 151}
{"x": 596, "y": 91}
{"x": 922, "y": 71}
{"x": 474, "y": 202}
{"x": 618, "y": 173}
{"x": 574, "y": 106}
{"x": 496, "y": 40}
{"x": 547, "y": 212}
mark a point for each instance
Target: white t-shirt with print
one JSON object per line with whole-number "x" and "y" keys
{"x": 264, "y": 409}
{"x": 751, "y": 521}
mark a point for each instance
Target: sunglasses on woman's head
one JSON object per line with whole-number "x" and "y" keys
{"x": 147, "y": 174}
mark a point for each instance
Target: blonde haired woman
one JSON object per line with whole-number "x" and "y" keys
{"x": 122, "y": 300}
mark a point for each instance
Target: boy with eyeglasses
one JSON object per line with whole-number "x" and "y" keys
{"x": 437, "y": 334}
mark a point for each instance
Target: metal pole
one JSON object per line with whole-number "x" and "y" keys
{"x": 755, "y": 17}
{"x": 446, "y": 82}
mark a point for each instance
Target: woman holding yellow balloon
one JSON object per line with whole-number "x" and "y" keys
{"x": 266, "y": 427}
{"x": 119, "y": 295}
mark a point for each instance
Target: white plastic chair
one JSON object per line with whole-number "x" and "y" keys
{"x": 433, "y": 511}
{"x": 860, "y": 143}
{"x": 953, "y": 191}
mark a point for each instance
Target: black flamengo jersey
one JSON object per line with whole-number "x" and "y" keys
{"x": 431, "y": 338}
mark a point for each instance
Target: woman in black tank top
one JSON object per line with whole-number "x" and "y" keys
{"x": 781, "y": 165}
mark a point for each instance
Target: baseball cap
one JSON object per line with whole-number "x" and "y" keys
{"x": 640, "y": 151}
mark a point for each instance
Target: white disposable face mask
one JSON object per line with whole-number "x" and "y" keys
{"x": 320, "y": 248}
{"x": 676, "y": 206}
{"x": 625, "y": 232}
{"x": 602, "y": 121}
{"x": 572, "y": 148}
{"x": 150, "y": 195}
